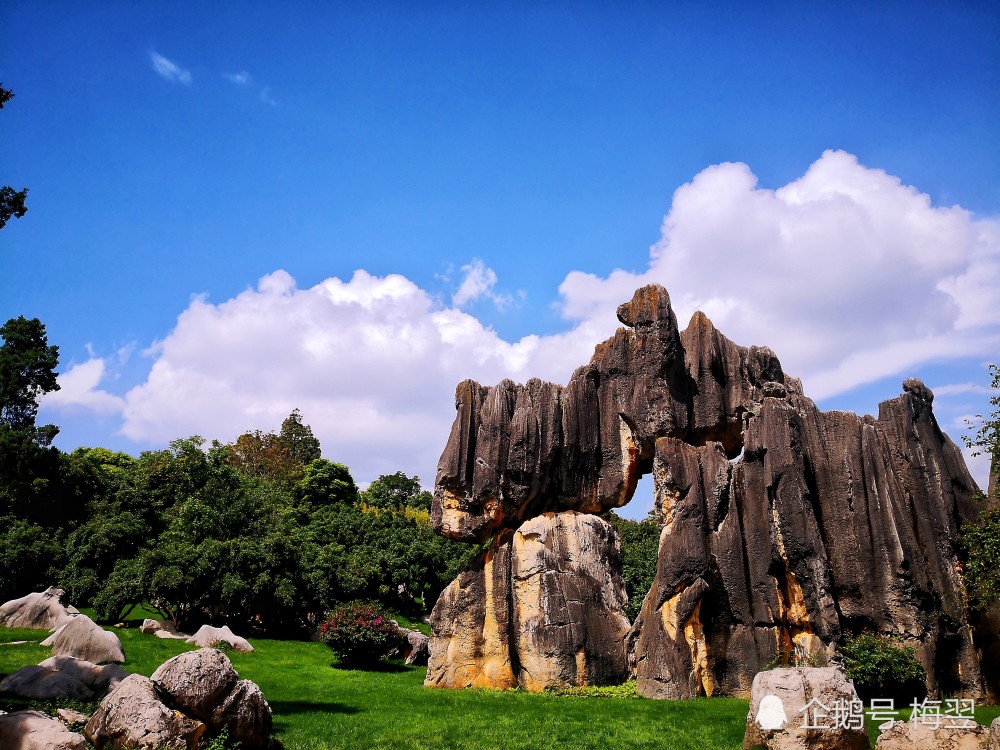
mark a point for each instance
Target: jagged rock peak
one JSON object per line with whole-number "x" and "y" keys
{"x": 649, "y": 307}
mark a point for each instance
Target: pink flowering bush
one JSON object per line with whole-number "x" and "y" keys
{"x": 360, "y": 634}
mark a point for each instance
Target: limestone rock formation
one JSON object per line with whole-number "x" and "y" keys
{"x": 794, "y": 709}
{"x": 133, "y": 716}
{"x": 785, "y": 527}
{"x": 162, "y": 629}
{"x": 206, "y": 636}
{"x": 33, "y": 730}
{"x": 194, "y": 694}
{"x": 245, "y": 714}
{"x": 42, "y": 610}
{"x": 908, "y": 735}
{"x": 41, "y": 683}
{"x": 543, "y": 607}
{"x": 417, "y": 648}
{"x": 82, "y": 638}
{"x": 196, "y": 681}
{"x": 61, "y": 677}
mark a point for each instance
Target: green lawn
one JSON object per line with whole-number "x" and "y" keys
{"x": 317, "y": 706}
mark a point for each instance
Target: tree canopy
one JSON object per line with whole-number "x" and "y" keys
{"x": 12, "y": 202}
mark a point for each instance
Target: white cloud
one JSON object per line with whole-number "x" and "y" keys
{"x": 847, "y": 274}
{"x": 266, "y": 98}
{"x": 78, "y": 390}
{"x": 371, "y": 362}
{"x": 169, "y": 69}
{"x": 479, "y": 281}
{"x": 242, "y": 78}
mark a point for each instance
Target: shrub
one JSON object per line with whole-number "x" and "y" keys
{"x": 360, "y": 633}
{"x": 883, "y": 668}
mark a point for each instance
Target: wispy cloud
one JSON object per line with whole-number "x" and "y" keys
{"x": 242, "y": 78}
{"x": 478, "y": 280}
{"x": 169, "y": 69}
{"x": 266, "y": 98}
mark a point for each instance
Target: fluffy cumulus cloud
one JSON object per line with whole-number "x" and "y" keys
{"x": 169, "y": 69}
{"x": 372, "y": 363}
{"x": 846, "y": 273}
{"x": 79, "y": 390}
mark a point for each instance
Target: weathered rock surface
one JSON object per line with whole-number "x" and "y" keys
{"x": 162, "y": 629}
{"x": 33, "y": 730}
{"x": 204, "y": 685}
{"x": 42, "y": 610}
{"x": 785, "y": 703}
{"x": 908, "y": 735}
{"x": 417, "y": 649}
{"x": 101, "y": 678}
{"x": 246, "y": 715}
{"x": 197, "y": 682}
{"x": 543, "y": 607}
{"x": 41, "y": 683}
{"x": 206, "y": 636}
{"x": 784, "y": 527}
{"x": 84, "y": 639}
{"x": 134, "y": 717}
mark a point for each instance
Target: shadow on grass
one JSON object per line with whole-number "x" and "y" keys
{"x": 382, "y": 667}
{"x": 281, "y": 708}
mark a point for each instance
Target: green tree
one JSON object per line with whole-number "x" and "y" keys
{"x": 981, "y": 540}
{"x": 27, "y": 371}
{"x": 11, "y": 201}
{"x": 326, "y": 483}
{"x": 298, "y": 439}
{"x": 640, "y": 549}
{"x": 396, "y": 491}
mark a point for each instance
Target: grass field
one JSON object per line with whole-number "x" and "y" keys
{"x": 319, "y": 707}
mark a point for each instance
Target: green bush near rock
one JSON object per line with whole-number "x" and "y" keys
{"x": 883, "y": 668}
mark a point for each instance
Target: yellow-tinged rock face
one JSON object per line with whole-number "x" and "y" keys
{"x": 543, "y": 608}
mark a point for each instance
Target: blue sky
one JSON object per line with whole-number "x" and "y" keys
{"x": 489, "y": 169}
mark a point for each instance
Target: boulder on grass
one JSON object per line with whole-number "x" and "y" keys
{"x": 246, "y": 715}
{"x": 101, "y": 678}
{"x": 785, "y": 703}
{"x": 196, "y": 682}
{"x": 42, "y": 610}
{"x": 134, "y": 717}
{"x": 42, "y": 683}
{"x": 910, "y": 735}
{"x": 162, "y": 629}
{"x": 82, "y": 638}
{"x": 207, "y": 636}
{"x": 417, "y": 648}
{"x": 33, "y": 730}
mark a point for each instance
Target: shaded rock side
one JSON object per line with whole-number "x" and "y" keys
{"x": 543, "y": 607}
{"x": 796, "y": 709}
{"x": 785, "y": 527}
{"x": 246, "y": 715}
{"x": 42, "y": 610}
{"x": 827, "y": 524}
{"x": 33, "y": 730}
{"x": 134, "y": 717}
{"x": 82, "y": 638}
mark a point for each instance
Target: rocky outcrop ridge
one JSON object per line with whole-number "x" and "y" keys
{"x": 784, "y": 527}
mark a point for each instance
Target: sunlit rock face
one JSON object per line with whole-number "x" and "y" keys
{"x": 784, "y": 527}
{"x": 542, "y": 607}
